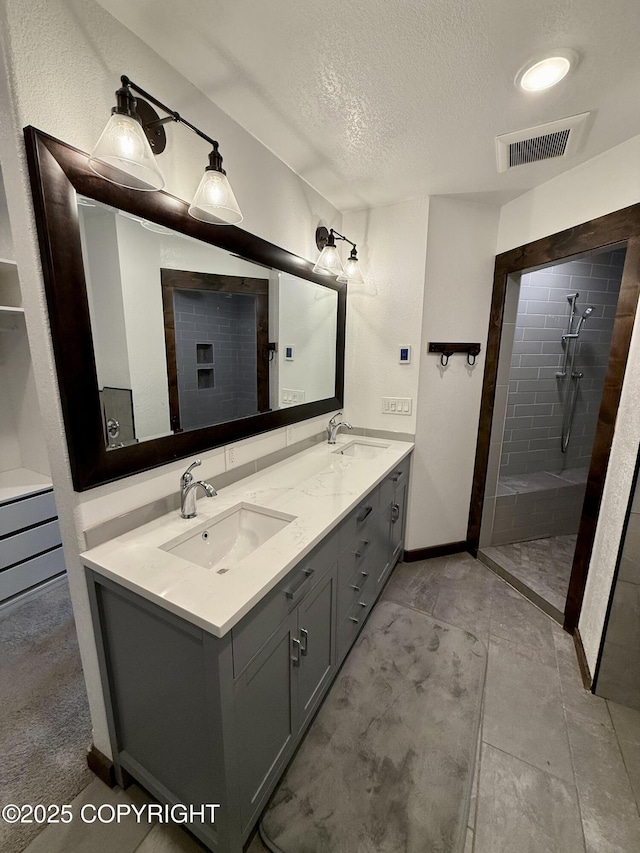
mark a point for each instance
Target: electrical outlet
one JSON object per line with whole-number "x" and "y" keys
{"x": 397, "y": 405}
{"x": 231, "y": 456}
{"x": 291, "y": 435}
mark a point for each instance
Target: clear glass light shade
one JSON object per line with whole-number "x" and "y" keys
{"x": 352, "y": 271}
{"x": 123, "y": 156}
{"x": 329, "y": 261}
{"x": 214, "y": 200}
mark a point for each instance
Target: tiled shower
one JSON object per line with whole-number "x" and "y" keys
{"x": 535, "y": 490}
{"x": 216, "y": 356}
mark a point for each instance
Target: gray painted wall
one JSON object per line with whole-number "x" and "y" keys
{"x": 224, "y": 388}
{"x": 531, "y": 440}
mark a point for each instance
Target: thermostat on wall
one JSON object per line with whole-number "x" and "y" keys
{"x": 288, "y": 353}
{"x": 405, "y": 355}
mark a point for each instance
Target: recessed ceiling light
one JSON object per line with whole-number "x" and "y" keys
{"x": 545, "y": 71}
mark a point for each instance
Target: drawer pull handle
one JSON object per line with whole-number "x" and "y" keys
{"x": 295, "y": 655}
{"x": 295, "y": 588}
{"x": 353, "y": 619}
{"x": 363, "y": 604}
{"x": 365, "y": 574}
{"x": 363, "y": 547}
{"x": 304, "y": 641}
{"x": 396, "y": 476}
{"x": 353, "y": 586}
{"x": 365, "y": 512}
{"x": 395, "y": 513}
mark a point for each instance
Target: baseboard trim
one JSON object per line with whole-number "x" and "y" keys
{"x": 435, "y": 551}
{"x": 582, "y": 660}
{"x": 101, "y": 766}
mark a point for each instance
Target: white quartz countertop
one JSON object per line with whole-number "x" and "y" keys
{"x": 319, "y": 487}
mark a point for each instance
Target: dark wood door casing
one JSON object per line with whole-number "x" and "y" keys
{"x": 172, "y": 280}
{"x": 620, "y": 227}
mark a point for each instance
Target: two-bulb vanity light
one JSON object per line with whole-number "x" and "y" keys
{"x": 329, "y": 260}
{"x": 126, "y": 150}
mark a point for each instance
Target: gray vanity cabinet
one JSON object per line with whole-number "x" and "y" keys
{"x": 265, "y": 710}
{"x": 201, "y": 719}
{"x": 393, "y": 499}
{"x": 279, "y": 690}
{"x": 314, "y": 655}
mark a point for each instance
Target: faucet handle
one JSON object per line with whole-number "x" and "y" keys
{"x": 187, "y": 476}
{"x": 332, "y": 422}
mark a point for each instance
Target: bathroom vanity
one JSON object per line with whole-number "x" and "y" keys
{"x": 219, "y": 636}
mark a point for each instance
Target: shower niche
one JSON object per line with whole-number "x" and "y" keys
{"x": 554, "y": 351}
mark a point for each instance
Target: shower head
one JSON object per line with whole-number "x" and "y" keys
{"x": 584, "y": 316}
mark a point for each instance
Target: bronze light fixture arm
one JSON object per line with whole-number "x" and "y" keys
{"x": 172, "y": 115}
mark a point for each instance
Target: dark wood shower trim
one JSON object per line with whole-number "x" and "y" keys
{"x": 623, "y": 226}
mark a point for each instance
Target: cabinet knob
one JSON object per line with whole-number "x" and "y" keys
{"x": 365, "y": 574}
{"x": 294, "y": 588}
{"x": 363, "y": 604}
{"x": 353, "y": 619}
{"x": 363, "y": 547}
{"x": 353, "y": 586}
{"x": 395, "y": 513}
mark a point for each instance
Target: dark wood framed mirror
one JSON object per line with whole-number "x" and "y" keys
{"x": 61, "y": 180}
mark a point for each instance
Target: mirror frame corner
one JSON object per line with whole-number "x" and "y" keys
{"x": 58, "y": 172}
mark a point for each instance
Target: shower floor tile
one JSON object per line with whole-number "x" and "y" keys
{"x": 542, "y": 566}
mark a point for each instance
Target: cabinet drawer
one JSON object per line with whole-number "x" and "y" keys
{"x": 26, "y": 512}
{"x": 367, "y": 551}
{"x": 250, "y": 634}
{"x": 16, "y": 549}
{"x": 357, "y": 523}
{"x": 30, "y": 573}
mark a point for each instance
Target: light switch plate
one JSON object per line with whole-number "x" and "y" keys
{"x": 397, "y": 405}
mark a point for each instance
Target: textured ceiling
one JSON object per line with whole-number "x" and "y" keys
{"x": 375, "y": 101}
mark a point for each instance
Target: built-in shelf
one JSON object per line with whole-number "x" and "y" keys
{"x": 20, "y": 482}
{"x": 10, "y": 298}
{"x": 9, "y": 318}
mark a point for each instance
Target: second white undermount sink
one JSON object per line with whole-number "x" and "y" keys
{"x": 229, "y": 537}
{"x": 362, "y": 449}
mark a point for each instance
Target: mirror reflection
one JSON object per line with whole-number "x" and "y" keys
{"x": 187, "y": 335}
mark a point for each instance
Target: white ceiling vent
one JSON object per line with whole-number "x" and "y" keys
{"x": 556, "y": 139}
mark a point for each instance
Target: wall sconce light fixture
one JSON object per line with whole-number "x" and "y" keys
{"x": 329, "y": 260}
{"x": 125, "y": 155}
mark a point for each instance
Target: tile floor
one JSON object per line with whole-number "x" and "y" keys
{"x": 558, "y": 768}
{"x": 539, "y": 568}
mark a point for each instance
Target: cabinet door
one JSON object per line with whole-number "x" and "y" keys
{"x": 317, "y": 650}
{"x": 264, "y": 702}
{"x": 396, "y": 539}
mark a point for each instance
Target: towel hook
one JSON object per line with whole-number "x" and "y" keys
{"x": 446, "y": 350}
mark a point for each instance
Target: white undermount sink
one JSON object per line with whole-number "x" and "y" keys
{"x": 229, "y": 537}
{"x": 362, "y": 449}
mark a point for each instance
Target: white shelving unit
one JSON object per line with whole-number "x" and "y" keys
{"x": 11, "y": 310}
{"x": 31, "y": 552}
